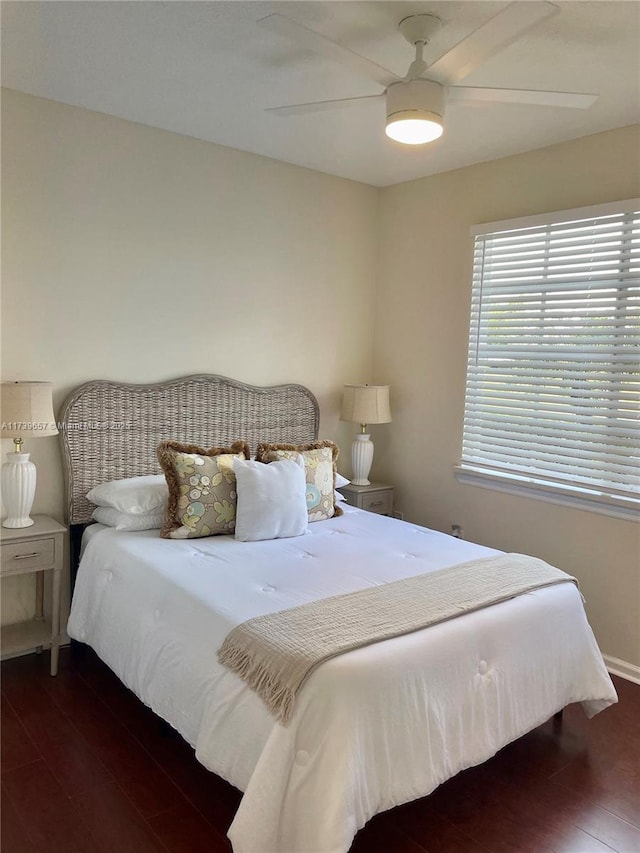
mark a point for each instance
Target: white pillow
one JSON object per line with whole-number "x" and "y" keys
{"x": 338, "y": 496}
{"x": 340, "y": 481}
{"x": 128, "y": 521}
{"x": 135, "y": 495}
{"x": 272, "y": 501}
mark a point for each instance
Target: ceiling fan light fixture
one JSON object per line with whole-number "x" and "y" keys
{"x": 414, "y": 111}
{"x": 414, "y": 127}
{"x": 416, "y": 103}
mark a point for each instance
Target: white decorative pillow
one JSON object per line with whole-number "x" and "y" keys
{"x": 341, "y": 481}
{"x": 271, "y": 499}
{"x": 127, "y": 520}
{"x": 320, "y": 467}
{"x": 134, "y": 495}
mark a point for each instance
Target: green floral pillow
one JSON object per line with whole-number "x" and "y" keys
{"x": 319, "y": 459}
{"x": 202, "y": 489}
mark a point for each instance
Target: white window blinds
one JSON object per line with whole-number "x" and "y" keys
{"x": 553, "y": 383}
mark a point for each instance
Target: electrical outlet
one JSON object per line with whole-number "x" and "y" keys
{"x": 456, "y": 530}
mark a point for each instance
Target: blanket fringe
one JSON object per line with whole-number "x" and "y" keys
{"x": 265, "y": 682}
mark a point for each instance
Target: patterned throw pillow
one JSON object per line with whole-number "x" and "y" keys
{"x": 320, "y": 470}
{"x": 202, "y": 489}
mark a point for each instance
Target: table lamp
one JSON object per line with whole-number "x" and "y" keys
{"x": 26, "y": 410}
{"x": 364, "y": 404}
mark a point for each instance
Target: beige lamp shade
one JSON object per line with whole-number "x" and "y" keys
{"x": 26, "y": 410}
{"x": 366, "y": 404}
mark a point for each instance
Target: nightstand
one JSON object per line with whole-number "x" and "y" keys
{"x": 38, "y": 549}
{"x": 377, "y": 497}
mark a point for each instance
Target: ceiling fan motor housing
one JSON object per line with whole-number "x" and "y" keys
{"x": 415, "y": 99}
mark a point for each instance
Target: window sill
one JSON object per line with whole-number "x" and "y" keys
{"x": 624, "y": 508}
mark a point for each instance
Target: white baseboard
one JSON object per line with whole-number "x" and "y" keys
{"x": 625, "y": 670}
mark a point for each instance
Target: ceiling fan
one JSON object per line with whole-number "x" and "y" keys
{"x": 416, "y": 103}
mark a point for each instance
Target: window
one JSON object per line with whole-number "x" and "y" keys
{"x": 553, "y": 382}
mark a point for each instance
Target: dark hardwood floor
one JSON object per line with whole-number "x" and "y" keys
{"x": 86, "y": 767}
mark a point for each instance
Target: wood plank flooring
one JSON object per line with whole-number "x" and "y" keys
{"x": 87, "y": 767}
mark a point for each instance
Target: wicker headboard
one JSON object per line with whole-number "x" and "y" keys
{"x": 111, "y": 430}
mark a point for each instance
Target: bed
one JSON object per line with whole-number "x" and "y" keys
{"x": 372, "y": 728}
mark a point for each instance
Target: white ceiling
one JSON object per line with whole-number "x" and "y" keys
{"x": 209, "y": 70}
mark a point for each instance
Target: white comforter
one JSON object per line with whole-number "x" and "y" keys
{"x": 373, "y": 728}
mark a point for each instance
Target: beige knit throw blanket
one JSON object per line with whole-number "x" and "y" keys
{"x": 275, "y": 653}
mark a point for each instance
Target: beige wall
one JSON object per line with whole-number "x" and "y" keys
{"x": 421, "y": 335}
{"x": 135, "y": 254}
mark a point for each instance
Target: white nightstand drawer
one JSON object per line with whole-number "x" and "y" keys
{"x": 376, "y": 497}
{"x": 380, "y": 502}
{"x": 20, "y": 556}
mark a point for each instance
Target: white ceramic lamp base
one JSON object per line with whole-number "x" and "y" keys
{"x": 361, "y": 459}
{"x": 18, "y": 489}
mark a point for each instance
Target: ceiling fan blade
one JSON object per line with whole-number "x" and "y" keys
{"x": 320, "y": 106}
{"x": 494, "y": 35}
{"x": 321, "y": 44}
{"x": 576, "y": 100}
